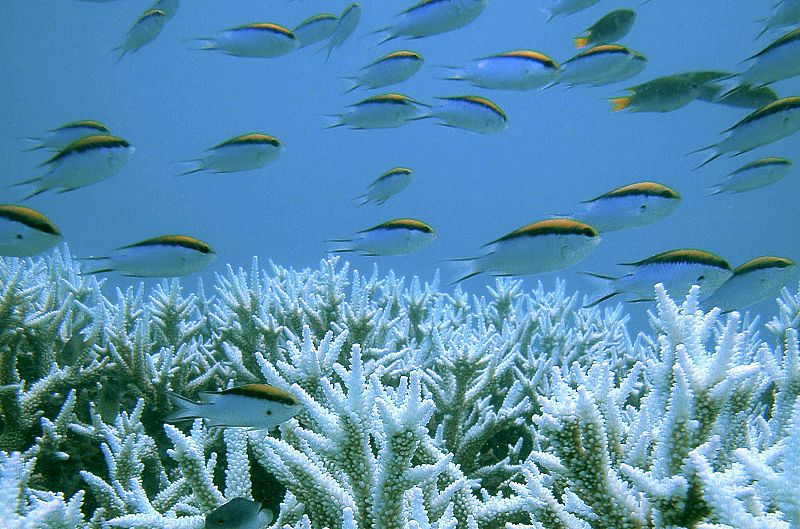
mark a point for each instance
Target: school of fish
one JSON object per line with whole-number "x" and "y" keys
{"x": 84, "y": 152}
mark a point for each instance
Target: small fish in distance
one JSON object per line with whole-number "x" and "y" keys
{"x": 239, "y": 513}
{"x": 394, "y": 237}
{"x": 58, "y": 138}
{"x": 392, "y": 68}
{"x": 259, "y": 39}
{"x": 428, "y": 18}
{"x": 537, "y": 248}
{"x": 253, "y": 406}
{"x": 163, "y": 256}
{"x": 754, "y": 175}
{"x": 81, "y": 163}
{"x": 609, "y": 29}
{"x": 144, "y": 31}
{"x": 556, "y": 8}
{"x": 387, "y": 185}
{"x": 511, "y": 70}
{"x": 378, "y": 112}
{"x": 756, "y": 280}
{"x": 677, "y": 270}
{"x": 25, "y": 232}
{"x": 240, "y": 153}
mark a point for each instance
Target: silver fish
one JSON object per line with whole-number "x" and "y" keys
{"x": 380, "y": 111}
{"x": 756, "y": 280}
{"x": 785, "y": 13}
{"x": 472, "y": 113}
{"x": 387, "y": 185}
{"x": 58, "y": 138}
{"x": 146, "y": 28}
{"x": 754, "y": 175}
{"x": 259, "y": 39}
{"x": 565, "y": 7}
{"x": 601, "y": 65}
{"x": 432, "y": 17}
{"x": 239, "y": 513}
{"x": 163, "y": 256}
{"x": 780, "y": 60}
{"x": 537, "y": 248}
{"x": 390, "y": 69}
{"x": 253, "y": 406}
{"x": 394, "y": 237}
{"x": 629, "y": 206}
{"x": 241, "y": 153}
{"x": 315, "y": 29}
{"x": 348, "y": 21}
{"x": 677, "y": 270}
{"x": 25, "y": 232}
{"x": 511, "y": 70}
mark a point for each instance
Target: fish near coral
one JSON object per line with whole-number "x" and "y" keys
{"x": 253, "y": 406}
{"x": 164, "y": 256}
{"x": 611, "y": 28}
{"x": 511, "y": 70}
{"x": 756, "y": 280}
{"x": 83, "y": 162}
{"x": 432, "y": 17}
{"x": 394, "y": 237}
{"x": 241, "y": 153}
{"x": 25, "y": 232}
{"x": 239, "y": 513}
{"x": 537, "y": 248}
{"x": 677, "y": 270}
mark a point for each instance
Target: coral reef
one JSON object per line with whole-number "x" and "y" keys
{"x": 421, "y": 408}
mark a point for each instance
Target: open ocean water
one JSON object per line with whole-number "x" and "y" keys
{"x": 562, "y": 146}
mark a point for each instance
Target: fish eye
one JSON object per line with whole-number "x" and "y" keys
{"x": 19, "y": 236}
{"x": 220, "y": 522}
{"x": 643, "y": 207}
{"x": 700, "y": 278}
{"x": 269, "y": 412}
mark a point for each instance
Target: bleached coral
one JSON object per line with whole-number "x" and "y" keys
{"x": 421, "y": 408}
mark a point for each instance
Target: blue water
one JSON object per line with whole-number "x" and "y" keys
{"x": 561, "y": 146}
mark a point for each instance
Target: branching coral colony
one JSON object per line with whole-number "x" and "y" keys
{"x": 421, "y": 409}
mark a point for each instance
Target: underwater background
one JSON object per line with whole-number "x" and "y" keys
{"x": 561, "y": 146}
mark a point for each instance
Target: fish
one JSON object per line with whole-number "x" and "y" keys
{"x": 58, "y": 138}
{"x": 601, "y": 65}
{"x": 315, "y": 29}
{"x": 472, "y": 113}
{"x": 629, "y": 206}
{"x": 83, "y": 162}
{"x": 537, "y": 248}
{"x": 754, "y": 175}
{"x": 346, "y": 25}
{"x": 163, "y": 256}
{"x": 743, "y": 96}
{"x": 609, "y": 29}
{"x": 392, "y": 68}
{"x": 258, "y": 39}
{"x": 246, "y": 152}
{"x": 756, "y": 280}
{"x": 380, "y": 111}
{"x": 252, "y": 406}
{"x": 144, "y": 31}
{"x": 394, "y": 237}
{"x": 565, "y": 7}
{"x": 765, "y": 125}
{"x": 780, "y": 60}
{"x": 510, "y": 70}
{"x": 239, "y": 513}
{"x": 677, "y": 270}
{"x": 785, "y": 13}
{"x": 25, "y": 232}
{"x": 387, "y": 185}
{"x": 663, "y": 94}
{"x": 169, "y": 7}
{"x": 433, "y": 17}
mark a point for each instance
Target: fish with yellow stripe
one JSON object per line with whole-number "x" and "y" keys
{"x": 784, "y": 13}
{"x": 392, "y": 68}
{"x": 144, "y": 31}
{"x": 536, "y": 248}
{"x": 258, "y": 39}
{"x": 601, "y": 65}
{"x": 756, "y": 280}
{"x": 394, "y": 237}
{"x": 315, "y": 29}
{"x": 58, "y": 138}
{"x": 609, "y": 29}
{"x": 677, "y": 270}
{"x": 432, "y": 17}
{"x": 380, "y": 111}
{"x": 780, "y": 60}
{"x": 169, "y": 7}
{"x": 162, "y": 256}
{"x": 754, "y": 175}
{"x": 510, "y": 70}
{"x": 345, "y": 26}
{"x": 387, "y": 185}
{"x": 252, "y": 406}
{"x": 25, "y": 232}
{"x": 629, "y": 206}
{"x": 768, "y": 124}
{"x": 246, "y": 152}
{"x": 470, "y": 112}
{"x": 83, "y": 162}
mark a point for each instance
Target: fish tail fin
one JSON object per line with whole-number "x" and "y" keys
{"x": 33, "y": 193}
{"x": 761, "y": 33}
{"x": 389, "y": 35}
{"x": 203, "y": 44}
{"x": 549, "y": 13}
{"x": 334, "y": 124}
{"x": 711, "y": 158}
{"x": 191, "y": 166}
{"x": 465, "y": 267}
{"x": 363, "y": 200}
{"x": 348, "y": 245}
{"x": 605, "y": 287}
{"x": 187, "y": 409}
{"x": 619, "y": 103}
{"x": 37, "y": 141}
{"x": 581, "y": 42}
{"x": 24, "y": 182}
{"x": 453, "y": 73}
{"x": 354, "y": 85}
{"x": 715, "y": 190}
